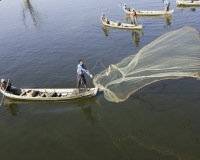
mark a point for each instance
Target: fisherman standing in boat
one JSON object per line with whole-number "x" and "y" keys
{"x": 167, "y": 4}
{"x": 134, "y": 17}
{"x": 81, "y": 70}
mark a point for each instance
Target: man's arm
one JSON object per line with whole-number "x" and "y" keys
{"x": 84, "y": 70}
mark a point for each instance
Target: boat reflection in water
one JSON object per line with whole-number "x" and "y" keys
{"x": 167, "y": 18}
{"x": 33, "y": 13}
{"x": 84, "y": 103}
{"x": 191, "y": 8}
{"x": 13, "y": 108}
{"x": 136, "y": 38}
{"x": 134, "y": 33}
{"x": 87, "y": 109}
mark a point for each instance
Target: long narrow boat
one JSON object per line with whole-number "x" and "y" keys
{"x": 188, "y": 3}
{"x": 149, "y": 13}
{"x": 48, "y": 94}
{"x": 169, "y": 16}
{"x": 78, "y": 103}
{"x": 139, "y": 31}
{"x": 122, "y": 25}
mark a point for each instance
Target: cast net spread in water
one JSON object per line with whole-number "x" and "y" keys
{"x": 174, "y": 55}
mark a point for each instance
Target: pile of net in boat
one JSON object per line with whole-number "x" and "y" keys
{"x": 174, "y": 55}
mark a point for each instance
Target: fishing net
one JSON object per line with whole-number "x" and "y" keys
{"x": 174, "y": 55}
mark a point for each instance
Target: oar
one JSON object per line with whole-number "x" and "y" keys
{"x": 120, "y": 6}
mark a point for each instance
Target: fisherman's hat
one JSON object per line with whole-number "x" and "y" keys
{"x": 132, "y": 9}
{"x": 3, "y": 80}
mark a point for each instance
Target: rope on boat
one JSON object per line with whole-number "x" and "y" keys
{"x": 99, "y": 60}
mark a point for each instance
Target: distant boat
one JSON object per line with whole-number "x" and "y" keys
{"x": 188, "y": 3}
{"x": 47, "y": 94}
{"x": 139, "y": 31}
{"x": 149, "y": 13}
{"x": 121, "y": 25}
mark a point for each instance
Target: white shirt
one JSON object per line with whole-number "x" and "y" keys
{"x": 102, "y": 18}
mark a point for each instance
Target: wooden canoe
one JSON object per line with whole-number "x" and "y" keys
{"x": 128, "y": 16}
{"x": 45, "y": 94}
{"x": 139, "y": 31}
{"x": 150, "y": 13}
{"x": 188, "y": 3}
{"x": 122, "y": 25}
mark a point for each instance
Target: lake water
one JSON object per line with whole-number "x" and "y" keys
{"x": 40, "y": 45}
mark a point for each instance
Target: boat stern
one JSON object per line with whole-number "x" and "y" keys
{"x": 95, "y": 91}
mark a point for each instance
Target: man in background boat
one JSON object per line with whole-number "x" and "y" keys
{"x": 125, "y": 7}
{"x": 104, "y": 18}
{"x": 134, "y": 14}
{"x": 6, "y": 86}
{"x": 3, "y": 84}
{"x": 167, "y": 4}
{"x": 81, "y": 70}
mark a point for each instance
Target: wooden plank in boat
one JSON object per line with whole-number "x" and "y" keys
{"x": 80, "y": 91}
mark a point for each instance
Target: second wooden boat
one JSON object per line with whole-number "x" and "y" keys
{"x": 122, "y": 25}
{"x": 188, "y": 3}
{"x": 149, "y": 13}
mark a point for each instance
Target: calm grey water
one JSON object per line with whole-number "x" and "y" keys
{"x": 40, "y": 45}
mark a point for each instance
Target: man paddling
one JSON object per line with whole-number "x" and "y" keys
{"x": 81, "y": 70}
{"x": 167, "y": 4}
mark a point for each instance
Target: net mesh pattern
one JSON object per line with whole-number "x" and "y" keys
{"x": 174, "y": 55}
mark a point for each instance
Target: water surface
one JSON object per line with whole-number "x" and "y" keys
{"x": 41, "y": 43}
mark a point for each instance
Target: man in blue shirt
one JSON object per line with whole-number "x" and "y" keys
{"x": 81, "y": 70}
{"x": 167, "y": 4}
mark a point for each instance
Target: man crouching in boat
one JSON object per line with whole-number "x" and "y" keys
{"x": 3, "y": 84}
{"x": 6, "y": 86}
{"x": 104, "y": 18}
{"x": 81, "y": 70}
{"x": 126, "y": 8}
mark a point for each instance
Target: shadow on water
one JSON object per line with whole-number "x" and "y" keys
{"x": 85, "y": 104}
{"x": 13, "y": 109}
{"x": 33, "y": 13}
{"x": 161, "y": 119}
{"x": 123, "y": 144}
{"x": 167, "y": 18}
{"x": 191, "y": 8}
{"x": 88, "y": 113}
{"x": 159, "y": 96}
{"x": 134, "y": 33}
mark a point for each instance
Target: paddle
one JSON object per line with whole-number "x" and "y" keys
{"x": 120, "y": 6}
